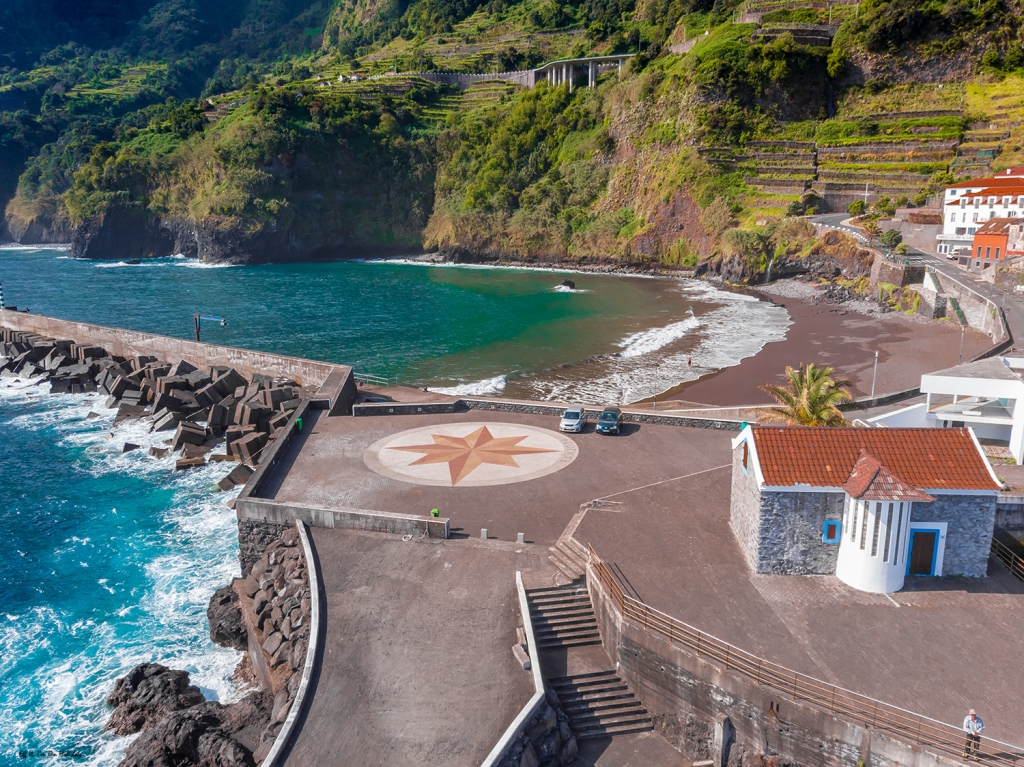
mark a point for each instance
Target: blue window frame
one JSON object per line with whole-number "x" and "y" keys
{"x": 832, "y": 532}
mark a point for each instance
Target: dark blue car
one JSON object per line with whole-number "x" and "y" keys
{"x": 609, "y": 421}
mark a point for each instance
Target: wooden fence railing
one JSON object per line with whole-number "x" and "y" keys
{"x": 860, "y": 709}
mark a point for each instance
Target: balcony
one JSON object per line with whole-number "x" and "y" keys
{"x": 977, "y": 409}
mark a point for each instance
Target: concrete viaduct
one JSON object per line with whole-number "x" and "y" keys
{"x": 554, "y": 73}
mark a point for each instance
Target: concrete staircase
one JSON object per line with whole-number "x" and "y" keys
{"x": 570, "y": 557}
{"x": 600, "y": 705}
{"x": 563, "y": 617}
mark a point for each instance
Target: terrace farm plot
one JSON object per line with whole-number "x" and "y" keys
{"x": 996, "y": 134}
{"x": 481, "y": 43}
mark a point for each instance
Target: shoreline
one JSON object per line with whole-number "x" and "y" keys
{"x": 843, "y": 335}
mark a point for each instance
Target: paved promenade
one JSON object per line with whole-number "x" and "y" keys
{"x": 326, "y": 467}
{"x": 939, "y": 648}
{"x": 418, "y": 665}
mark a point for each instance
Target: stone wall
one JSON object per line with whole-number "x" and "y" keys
{"x": 253, "y": 538}
{"x": 791, "y": 531}
{"x": 745, "y": 507}
{"x": 672, "y": 682}
{"x": 971, "y": 520}
{"x": 895, "y": 273}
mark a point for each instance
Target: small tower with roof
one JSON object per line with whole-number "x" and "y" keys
{"x": 876, "y": 527}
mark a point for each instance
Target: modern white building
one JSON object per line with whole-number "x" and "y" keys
{"x": 968, "y": 205}
{"x": 988, "y": 396}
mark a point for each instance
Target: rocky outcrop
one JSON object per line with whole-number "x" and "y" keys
{"x": 121, "y": 234}
{"x": 44, "y": 222}
{"x": 179, "y": 727}
{"x": 124, "y": 234}
{"x": 227, "y": 628}
{"x": 205, "y": 735}
{"x": 147, "y": 694}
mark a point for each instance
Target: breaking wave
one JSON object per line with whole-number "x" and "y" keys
{"x": 488, "y": 386}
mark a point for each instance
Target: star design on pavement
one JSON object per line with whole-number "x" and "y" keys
{"x": 463, "y": 454}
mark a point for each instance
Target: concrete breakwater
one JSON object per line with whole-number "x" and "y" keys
{"x": 131, "y": 343}
{"x": 205, "y": 409}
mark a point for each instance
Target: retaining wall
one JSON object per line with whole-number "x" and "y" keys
{"x": 672, "y": 681}
{"x": 275, "y": 512}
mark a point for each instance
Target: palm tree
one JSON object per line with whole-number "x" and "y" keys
{"x": 812, "y": 398}
{"x": 873, "y": 230}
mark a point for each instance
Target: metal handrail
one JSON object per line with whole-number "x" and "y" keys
{"x": 860, "y": 708}
{"x": 375, "y": 380}
{"x": 1007, "y": 557}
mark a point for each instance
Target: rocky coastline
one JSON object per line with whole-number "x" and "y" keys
{"x": 266, "y": 613}
{"x": 268, "y": 616}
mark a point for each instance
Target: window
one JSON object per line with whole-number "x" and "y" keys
{"x": 888, "y": 534}
{"x": 832, "y": 531}
{"x": 997, "y": 254}
{"x": 853, "y": 527}
{"x": 899, "y": 530}
{"x": 1006, "y": 202}
{"x": 979, "y": 251}
{"x": 864, "y": 527}
{"x": 960, "y": 230}
{"x": 874, "y": 535}
{"x": 975, "y": 217}
{"x": 988, "y": 251}
{"x": 746, "y": 454}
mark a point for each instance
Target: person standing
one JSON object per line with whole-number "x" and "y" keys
{"x": 973, "y": 726}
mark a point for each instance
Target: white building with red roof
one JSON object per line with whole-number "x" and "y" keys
{"x": 969, "y": 204}
{"x": 870, "y": 506}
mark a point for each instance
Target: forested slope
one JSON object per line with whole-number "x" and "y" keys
{"x": 255, "y": 130}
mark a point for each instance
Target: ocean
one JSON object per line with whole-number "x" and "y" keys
{"x": 111, "y": 558}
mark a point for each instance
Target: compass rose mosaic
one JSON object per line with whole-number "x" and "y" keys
{"x": 470, "y": 454}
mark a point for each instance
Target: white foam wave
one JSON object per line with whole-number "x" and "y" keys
{"x": 647, "y": 341}
{"x": 193, "y": 263}
{"x": 567, "y": 289}
{"x": 162, "y": 616}
{"x": 29, "y": 248}
{"x": 475, "y": 389}
{"x": 724, "y": 336}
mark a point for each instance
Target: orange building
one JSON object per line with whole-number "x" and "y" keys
{"x": 997, "y": 240}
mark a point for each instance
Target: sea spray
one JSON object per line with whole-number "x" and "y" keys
{"x": 112, "y": 559}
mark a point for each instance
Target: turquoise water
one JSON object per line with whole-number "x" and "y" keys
{"x": 111, "y": 559}
{"x": 471, "y": 330}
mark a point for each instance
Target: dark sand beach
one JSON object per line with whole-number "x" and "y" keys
{"x": 835, "y": 335}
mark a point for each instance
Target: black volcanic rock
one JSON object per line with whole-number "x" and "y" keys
{"x": 198, "y": 736}
{"x": 226, "y": 625}
{"x": 148, "y": 693}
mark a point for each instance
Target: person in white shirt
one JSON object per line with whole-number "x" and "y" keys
{"x": 973, "y": 726}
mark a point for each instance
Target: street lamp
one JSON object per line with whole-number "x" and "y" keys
{"x": 198, "y": 318}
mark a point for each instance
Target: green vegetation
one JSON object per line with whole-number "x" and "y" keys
{"x": 270, "y": 121}
{"x": 811, "y": 399}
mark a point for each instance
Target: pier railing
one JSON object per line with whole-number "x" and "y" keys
{"x": 945, "y": 738}
{"x": 375, "y": 380}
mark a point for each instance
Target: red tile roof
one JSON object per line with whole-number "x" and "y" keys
{"x": 931, "y": 459}
{"x": 1013, "y": 177}
{"x": 1016, "y": 189}
{"x": 871, "y": 481}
